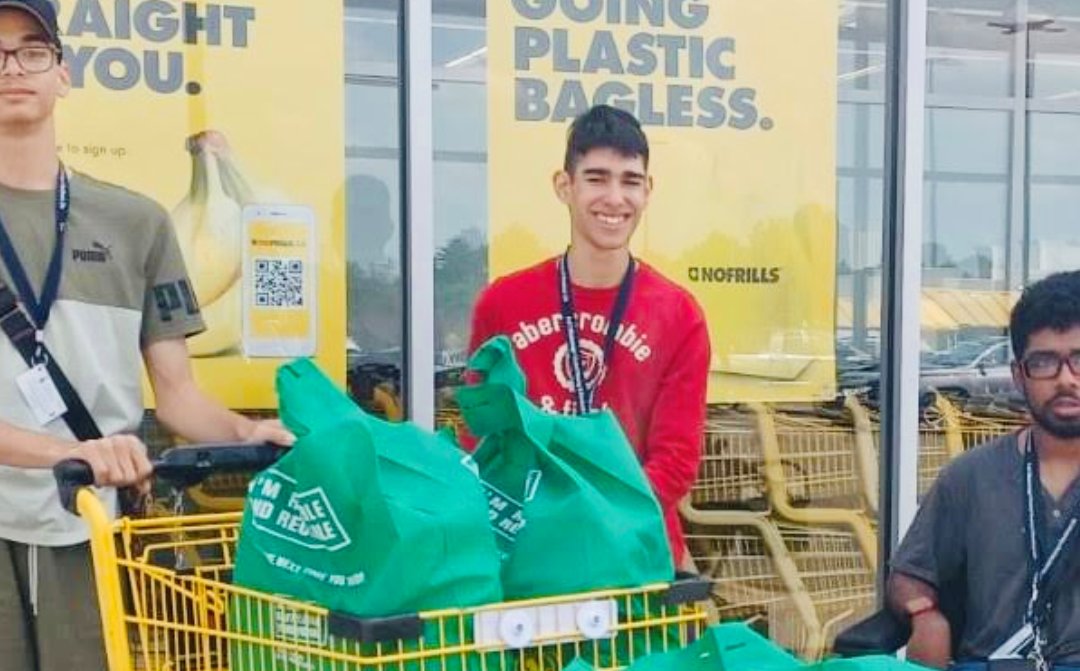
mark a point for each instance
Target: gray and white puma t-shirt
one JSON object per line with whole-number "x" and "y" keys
{"x": 122, "y": 287}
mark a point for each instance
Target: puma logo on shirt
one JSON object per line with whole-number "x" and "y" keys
{"x": 98, "y": 253}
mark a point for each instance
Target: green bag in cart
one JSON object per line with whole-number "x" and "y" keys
{"x": 726, "y": 647}
{"x": 570, "y": 504}
{"x": 364, "y": 516}
{"x": 736, "y": 647}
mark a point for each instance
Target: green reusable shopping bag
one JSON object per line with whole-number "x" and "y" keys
{"x": 364, "y": 516}
{"x": 726, "y": 647}
{"x": 569, "y": 502}
{"x": 867, "y": 663}
{"x": 736, "y": 647}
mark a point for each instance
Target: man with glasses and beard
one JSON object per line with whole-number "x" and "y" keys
{"x": 999, "y": 533}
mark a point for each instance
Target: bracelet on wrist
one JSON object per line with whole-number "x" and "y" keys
{"x": 922, "y": 610}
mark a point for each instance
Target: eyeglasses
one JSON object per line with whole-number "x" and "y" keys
{"x": 1047, "y": 365}
{"x": 33, "y": 58}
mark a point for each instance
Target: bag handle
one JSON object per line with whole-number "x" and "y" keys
{"x": 498, "y": 402}
{"x": 489, "y": 408}
{"x": 303, "y": 391}
{"x": 496, "y": 363}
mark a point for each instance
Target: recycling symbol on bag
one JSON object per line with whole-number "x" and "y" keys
{"x": 304, "y": 518}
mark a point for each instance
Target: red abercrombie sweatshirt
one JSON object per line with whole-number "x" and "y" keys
{"x": 656, "y": 380}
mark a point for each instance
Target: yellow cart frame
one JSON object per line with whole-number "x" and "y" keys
{"x": 167, "y": 605}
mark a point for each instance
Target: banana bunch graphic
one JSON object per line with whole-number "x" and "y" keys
{"x": 209, "y": 226}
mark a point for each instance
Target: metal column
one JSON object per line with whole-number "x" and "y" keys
{"x": 418, "y": 237}
{"x": 902, "y": 269}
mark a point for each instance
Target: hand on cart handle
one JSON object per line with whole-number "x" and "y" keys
{"x": 116, "y": 461}
{"x": 271, "y": 431}
{"x": 184, "y": 466}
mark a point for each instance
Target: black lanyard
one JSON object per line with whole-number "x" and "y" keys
{"x": 39, "y": 308}
{"x": 585, "y": 393}
{"x": 1042, "y": 558}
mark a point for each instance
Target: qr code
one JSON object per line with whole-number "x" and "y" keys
{"x": 279, "y": 283}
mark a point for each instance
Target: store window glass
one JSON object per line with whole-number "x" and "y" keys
{"x": 967, "y": 198}
{"x": 816, "y": 577}
{"x": 971, "y": 47}
{"x": 861, "y": 58}
{"x": 1055, "y": 193}
{"x": 459, "y": 64}
{"x": 373, "y": 205}
{"x": 1054, "y": 50}
{"x": 1000, "y": 197}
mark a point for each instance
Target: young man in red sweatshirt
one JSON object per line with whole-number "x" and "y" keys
{"x": 596, "y": 328}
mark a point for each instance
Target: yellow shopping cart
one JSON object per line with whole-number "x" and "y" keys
{"x": 732, "y": 471}
{"x": 167, "y": 604}
{"x": 801, "y": 584}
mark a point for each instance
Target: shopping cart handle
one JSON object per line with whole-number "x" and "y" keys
{"x": 71, "y": 476}
{"x": 189, "y": 465}
{"x": 179, "y": 466}
{"x": 687, "y": 588}
{"x": 375, "y": 629}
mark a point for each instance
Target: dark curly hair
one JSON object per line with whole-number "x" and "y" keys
{"x": 1052, "y": 302}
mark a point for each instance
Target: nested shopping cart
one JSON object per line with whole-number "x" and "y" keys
{"x": 167, "y": 604}
{"x": 822, "y": 471}
{"x": 221, "y": 493}
{"x": 946, "y": 431}
{"x": 732, "y": 470}
{"x": 800, "y": 584}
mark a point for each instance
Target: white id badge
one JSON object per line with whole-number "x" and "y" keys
{"x": 1017, "y": 644}
{"x": 39, "y": 392}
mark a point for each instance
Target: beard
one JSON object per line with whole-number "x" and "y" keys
{"x": 1043, "y": 415}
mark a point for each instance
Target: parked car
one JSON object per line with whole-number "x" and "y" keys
{"x": 978, "y": 372}
{"x": 973, "y": 373}
{"x": 969, "y": 353}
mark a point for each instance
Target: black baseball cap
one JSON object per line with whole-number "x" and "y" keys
{"x": 43, "y": 11}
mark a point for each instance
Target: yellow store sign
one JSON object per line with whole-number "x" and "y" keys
{"x": 229, "y": 115}
{"x": 739, "y": 101}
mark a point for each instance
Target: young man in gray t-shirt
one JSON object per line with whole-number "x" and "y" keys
{"x": 983, "y": 533}
{"x": 121, "y": 291}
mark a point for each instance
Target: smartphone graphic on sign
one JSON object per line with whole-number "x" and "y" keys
{"x": 279, "y": 297}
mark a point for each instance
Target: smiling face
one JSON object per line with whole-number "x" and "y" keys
{"x": 26, "y": 99}
{"x": 1054, "y": 402}
{"x": 606, "y": 195}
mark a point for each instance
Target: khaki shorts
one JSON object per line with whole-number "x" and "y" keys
{"x": 65, "y": 633}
